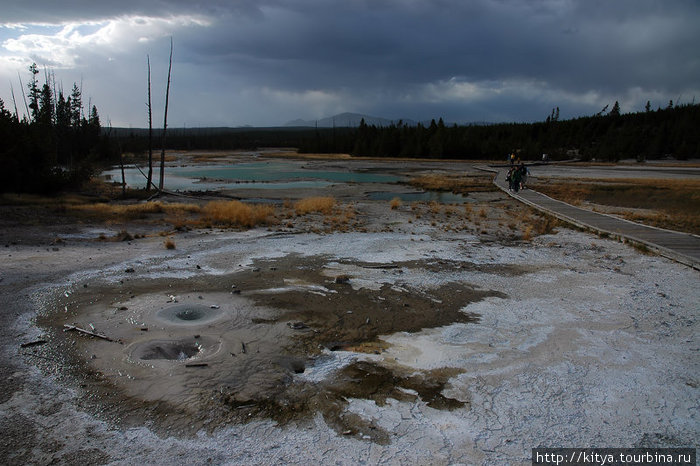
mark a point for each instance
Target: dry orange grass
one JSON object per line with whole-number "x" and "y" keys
{"x": 454, "y": 183}
{"x": 322, "y": 205}
{"x": 132, "y": 211}
{"x": 236, "y": 213}
{"x": 395, "y": 203}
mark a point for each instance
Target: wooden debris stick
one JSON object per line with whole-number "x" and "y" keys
{"x": 197, "y": 364}
{"x": 32, "y": 343}
{"x": 87, "y": 332}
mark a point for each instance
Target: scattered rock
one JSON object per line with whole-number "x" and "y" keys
{"x": 297, "y": 325}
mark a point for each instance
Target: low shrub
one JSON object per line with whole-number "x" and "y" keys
{"x": 236, "y": 213}
{"x": 323, "y": 205}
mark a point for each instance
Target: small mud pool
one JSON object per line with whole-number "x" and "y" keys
{"x": 185, "y": 349}
{"x": 283, "y": 339}
{"x": 189, "y": 314}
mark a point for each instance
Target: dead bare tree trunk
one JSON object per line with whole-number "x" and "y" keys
{"x": 165, "y": 121}
{"x": 26, "y": 107}
{"x": 12, "y": 90}
{"x": 149, "y": 179}
{"x": 121, "y": 165}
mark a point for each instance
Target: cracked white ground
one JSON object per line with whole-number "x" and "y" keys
{"x": 596, "y": 345}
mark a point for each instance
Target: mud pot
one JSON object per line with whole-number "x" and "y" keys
{"x": 272, "y": 341}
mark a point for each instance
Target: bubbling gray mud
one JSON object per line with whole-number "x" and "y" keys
{"x": 174, "y": 350}
{"x": 244, "y": 346}
{"x": 189, "y": 314}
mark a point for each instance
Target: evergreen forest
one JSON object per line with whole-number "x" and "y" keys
{"x": 58, "y": 143}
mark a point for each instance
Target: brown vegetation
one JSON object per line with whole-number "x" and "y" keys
{"x": 110, "y": 211}
{"x": 459, "y": 184}
{"x": 671, "y": 204}
{"x": 237, "y": 213}
{"x": 322, "y": 205}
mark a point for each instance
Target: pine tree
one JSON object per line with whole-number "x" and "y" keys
{"x": 615, "y": 110}
{"x": 94, "y": 120}
{"x": 45, "y": 115}
{"x": 62, "y": 111}
{"x": 34, "y": 92}
{"x": 76, "y": 106}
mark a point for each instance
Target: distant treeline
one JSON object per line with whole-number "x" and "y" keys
{"x": 651, "y": 134}
{"x": 57, "y": 144}
{"x": 672, "y": 131}
{"x": 54, "y": 144}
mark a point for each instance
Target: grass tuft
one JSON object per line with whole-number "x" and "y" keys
{"x": 454, "y": 183}
{"x": 322, "y": 205}
{"x": 236, "y": 213}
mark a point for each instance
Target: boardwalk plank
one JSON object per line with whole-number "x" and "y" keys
{"x": 681, "y": 247}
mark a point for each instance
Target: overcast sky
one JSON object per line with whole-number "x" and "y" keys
{"x": 265, "y": 62}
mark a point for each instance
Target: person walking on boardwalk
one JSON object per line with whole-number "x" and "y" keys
{"x": 524, "y": 172}
{"x": 509, "y": 178}
{"x": 516, "y": 178}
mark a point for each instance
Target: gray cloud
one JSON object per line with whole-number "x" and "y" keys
{"x": 259, "y": 62}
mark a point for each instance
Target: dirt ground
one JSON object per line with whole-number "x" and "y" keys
{"x": 422, "y": 334}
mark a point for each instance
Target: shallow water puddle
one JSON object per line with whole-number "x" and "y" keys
{"x": 239, "y": 347}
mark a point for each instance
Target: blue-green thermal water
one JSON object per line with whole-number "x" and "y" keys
{"x": 273, "y": 175}
{"x": 261, "y": 175}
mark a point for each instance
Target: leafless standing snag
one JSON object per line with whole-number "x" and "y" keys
{"x": 165, "y": 121}
{"x": 149, "y": 179}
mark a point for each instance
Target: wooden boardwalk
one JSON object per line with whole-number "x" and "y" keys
{"x": 681, "y": 247}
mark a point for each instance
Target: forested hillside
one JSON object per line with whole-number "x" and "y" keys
{"x": 673, "y": 131}
{"x": 669, "y": 132}
{"x": 58, "y": 144}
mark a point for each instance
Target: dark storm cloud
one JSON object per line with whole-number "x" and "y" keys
{"x": 51, "y": 11}
{"x": 465, "y": 60}
{"x": 576, "y": 46}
